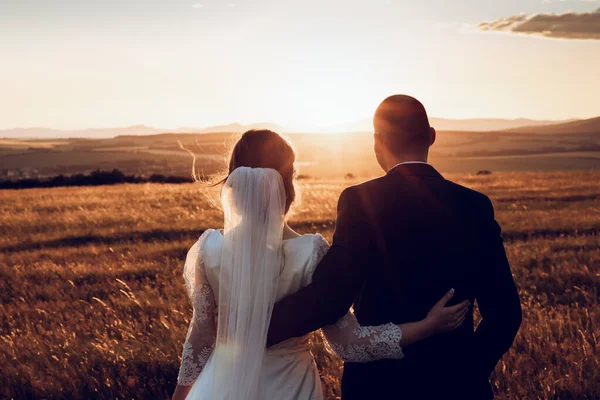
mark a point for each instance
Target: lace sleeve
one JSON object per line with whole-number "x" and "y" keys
{"x": 201, "y": 333}
{"x": 354, "y": 343}
{"x": 350, "y": 341}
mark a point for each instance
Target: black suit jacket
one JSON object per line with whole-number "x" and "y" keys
{"x": 402, "y": 241}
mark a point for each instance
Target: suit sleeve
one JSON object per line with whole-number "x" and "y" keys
{"x": 497, "y": 298}
{"x": 336, "y": 280}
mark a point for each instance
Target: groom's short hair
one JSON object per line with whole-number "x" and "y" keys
{"x": 402, "y": 122}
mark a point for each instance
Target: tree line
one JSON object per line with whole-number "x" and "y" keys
{"x": 95, "y": 178}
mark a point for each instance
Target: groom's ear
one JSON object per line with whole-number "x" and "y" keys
{"x": 432, "y": 136}
{"x": 377, "y": 141}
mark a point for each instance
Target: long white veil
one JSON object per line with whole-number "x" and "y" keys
{"x": 254, "y": 206}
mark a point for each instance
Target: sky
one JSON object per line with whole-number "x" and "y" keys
{"x": 73, "y": 64}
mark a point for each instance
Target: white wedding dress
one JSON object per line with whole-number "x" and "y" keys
{"x": 288, "y": 369}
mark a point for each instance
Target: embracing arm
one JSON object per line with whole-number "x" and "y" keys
{"x": 497, "y": 298}
{"x": 352, "y": 342}
{"x": 336, "y": 280}
{"x": 202, "y": 332}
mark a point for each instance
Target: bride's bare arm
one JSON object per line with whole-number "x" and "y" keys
{"x": 181, "y": 392}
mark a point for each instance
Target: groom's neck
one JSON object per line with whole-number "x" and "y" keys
{"x": 402, "y": 158}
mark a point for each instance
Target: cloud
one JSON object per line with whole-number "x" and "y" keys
{"x": 564, "y": 26}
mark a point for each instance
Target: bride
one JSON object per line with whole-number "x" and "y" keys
{"x": 235, "y": 275}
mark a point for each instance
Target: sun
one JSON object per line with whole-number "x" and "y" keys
{"x": 327, "y": 114}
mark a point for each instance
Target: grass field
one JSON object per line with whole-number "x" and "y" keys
{"x": 92, "y": 302}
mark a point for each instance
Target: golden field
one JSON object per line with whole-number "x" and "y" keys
{"x": 92, "y": 302}
{"x": 325, "y": 156}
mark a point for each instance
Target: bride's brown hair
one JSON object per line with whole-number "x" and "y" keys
{"x": 266, "y": 149}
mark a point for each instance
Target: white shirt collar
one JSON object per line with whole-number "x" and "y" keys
{"x": 409, "y": 162}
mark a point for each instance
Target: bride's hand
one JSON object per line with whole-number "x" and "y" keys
{"x": 445, "y": 319}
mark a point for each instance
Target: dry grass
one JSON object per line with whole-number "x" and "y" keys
{"x": 92, "y": 302}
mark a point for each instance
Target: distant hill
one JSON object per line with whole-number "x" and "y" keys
{"x": 136, "y": 130}
{"x": 94, "y": 133}
{"x": 235, "y": 127}
{"x": 446, "y": 124}
{"x": 486, "y": 124}
{"x": 441, "y": 124}
{"x": 591, "y": 125}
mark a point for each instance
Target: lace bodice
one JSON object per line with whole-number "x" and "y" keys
{"x": 346, "y": 339}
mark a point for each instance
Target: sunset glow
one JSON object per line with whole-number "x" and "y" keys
{"x": 308, "y": 65}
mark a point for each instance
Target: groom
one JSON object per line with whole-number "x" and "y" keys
{"x": 401, "y": 241}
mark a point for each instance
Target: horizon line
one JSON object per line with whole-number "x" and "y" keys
{"x": 284, "y": 128}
